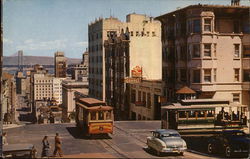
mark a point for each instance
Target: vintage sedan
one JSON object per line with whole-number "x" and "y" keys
{"x": 229, "y": 142}
{"x": 166, "y": 141}
{"x": 19, "y": 151}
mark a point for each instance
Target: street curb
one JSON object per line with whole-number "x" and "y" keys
{"x": 201, "y": 153}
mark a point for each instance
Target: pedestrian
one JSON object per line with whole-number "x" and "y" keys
{"x": 58, "y": 146}
{"x": 46, "y": 147}
{"x": 5, "y": 138}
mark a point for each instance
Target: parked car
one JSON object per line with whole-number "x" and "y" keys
{"x": 19, "y": 151}
{"x": 166, "y": 141}
{"x": 229, "y": 142}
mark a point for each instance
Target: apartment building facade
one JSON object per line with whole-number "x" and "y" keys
{"x": 207, "y": 48}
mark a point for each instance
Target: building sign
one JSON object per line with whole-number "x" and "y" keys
{"x": 137, "y": 71}
{"x": 132, "y": 80}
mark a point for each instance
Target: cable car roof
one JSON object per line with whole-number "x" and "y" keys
{"x": 91, "y": 101}
{"x": 201, "y": 106}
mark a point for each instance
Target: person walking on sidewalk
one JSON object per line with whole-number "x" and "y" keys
{"x": 46, "y": 147}
{"x": 4, "y": 138}
{"x": 58, "y": 146}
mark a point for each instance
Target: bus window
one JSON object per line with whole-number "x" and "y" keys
{"x": 182, "y": 114}
{"x": 108, "y": 115}
{"x": 100, "y": 115}
{"x": 93, "y": 115}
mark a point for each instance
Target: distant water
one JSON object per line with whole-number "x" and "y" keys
{"x": 13, "y": 70}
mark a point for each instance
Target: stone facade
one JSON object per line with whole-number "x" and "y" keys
{"x": 145, "y": 100}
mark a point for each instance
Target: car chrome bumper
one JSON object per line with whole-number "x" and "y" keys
{"x": 174, "y": 150}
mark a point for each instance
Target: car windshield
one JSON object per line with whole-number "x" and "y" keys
{"x": 170, "y": 135}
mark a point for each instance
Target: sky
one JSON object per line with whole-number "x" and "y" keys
{"x": 42, "y": 27}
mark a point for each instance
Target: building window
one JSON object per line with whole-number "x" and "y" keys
{"x": 196, "y": 26}
{"x": 207, "y": 50}
{"x": 137, "y": 33}
{"x": 139, "y": 117}
{"x": 236, "y": 97}
{"x": 246, "y": 51}
{"x": 207, "y": 24}
{"x": 196, "y": 50}
{"x": 183, "y": 53}
{"x": 246, "y": 26}
{"x": 236, "y": 75}
{"x": 207, "y": 75}
{"x": 148, "y": 100}
{"x": 237, "y": 50}
{"x": 246, "y": 75}
{"x": 189, "y": 26}
{"x": 153, "y": 33}
{"x": 215, "y": 50}
{"x": 131, "y": 33}
{"x": 196, "y": 76}
{"x": 139, "y": 96}
{"x": 144, "y": 97}
{"x": 215, "y": 75}
{"x": 133, "y": 92}
{"x": 147, "y": 33}
{"x": 183, "y": 75}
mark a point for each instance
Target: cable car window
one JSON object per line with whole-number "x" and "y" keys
{"x": 210, "y": 113}
{"x": 108, "y": 115}
{"x": 93, "y": 115}
{"x": 182, "y": 114}
{"x": 191, "y": 114}
{"x": 100, "y": 115}
{"x": 201, "y": 113}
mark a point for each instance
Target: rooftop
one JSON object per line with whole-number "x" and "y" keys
{"x": 228, "y": 8}
{"x": 91, "y": 101}
{"x": 185, "y": 90}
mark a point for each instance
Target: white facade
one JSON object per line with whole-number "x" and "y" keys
{"x": 47, "y": 87}
{"x": 69, "y": 87}
{"x": 57, "y": 89}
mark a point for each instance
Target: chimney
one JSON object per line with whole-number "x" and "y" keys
{"x": 235, "y": 2}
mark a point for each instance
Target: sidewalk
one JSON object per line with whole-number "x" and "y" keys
{"x": 88, "y": 155}
{"x": 9, "y": 126}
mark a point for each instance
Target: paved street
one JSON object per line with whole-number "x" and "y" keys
{"x": 128, "y": 140}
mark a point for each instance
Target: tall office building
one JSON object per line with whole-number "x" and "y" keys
{"x": 133, "y": 53}
{"x": 98, "y": 33}
{"x": 60, "y": 65}
{"x": 20, "y": 60}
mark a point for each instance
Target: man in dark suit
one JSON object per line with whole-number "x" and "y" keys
{"x": 58, "y": 146}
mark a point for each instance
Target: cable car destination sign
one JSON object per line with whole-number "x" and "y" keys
{"x": 136, "y": 75}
